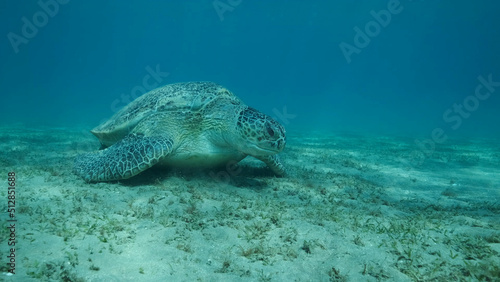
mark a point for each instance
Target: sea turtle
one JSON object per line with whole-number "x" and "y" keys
{"x": 191, "y": 124}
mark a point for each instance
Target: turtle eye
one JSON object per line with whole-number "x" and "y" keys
{"x": 270, "y": 131}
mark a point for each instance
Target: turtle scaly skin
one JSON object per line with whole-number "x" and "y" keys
{"x": 131, "y": 155}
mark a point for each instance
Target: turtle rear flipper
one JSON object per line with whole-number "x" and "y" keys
{"x": 130, "y": 156}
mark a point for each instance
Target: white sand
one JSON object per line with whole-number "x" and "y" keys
{"x": 351, "y": 209}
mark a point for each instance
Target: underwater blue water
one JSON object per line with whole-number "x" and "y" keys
{"x": 317, "y": 65}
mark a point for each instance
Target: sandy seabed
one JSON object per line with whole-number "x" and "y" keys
{"x": 352, "y": 208}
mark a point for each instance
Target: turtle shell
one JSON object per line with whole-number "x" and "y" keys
{"x": 181, "y": 100}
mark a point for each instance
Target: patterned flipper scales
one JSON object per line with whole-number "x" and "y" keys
{"x": 130, "y": 156}
{"x": 274, "y": 163}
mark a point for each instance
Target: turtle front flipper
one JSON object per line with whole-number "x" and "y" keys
{"x": 130, "y": 156}
{"x": 274, "y": 163}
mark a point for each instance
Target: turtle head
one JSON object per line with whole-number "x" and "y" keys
{"x": 260, "y": 134}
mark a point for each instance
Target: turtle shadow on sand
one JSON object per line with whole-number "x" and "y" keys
{"x": 248, "y": 176}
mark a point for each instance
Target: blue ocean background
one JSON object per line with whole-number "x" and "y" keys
{"x": 281, "y": 57}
